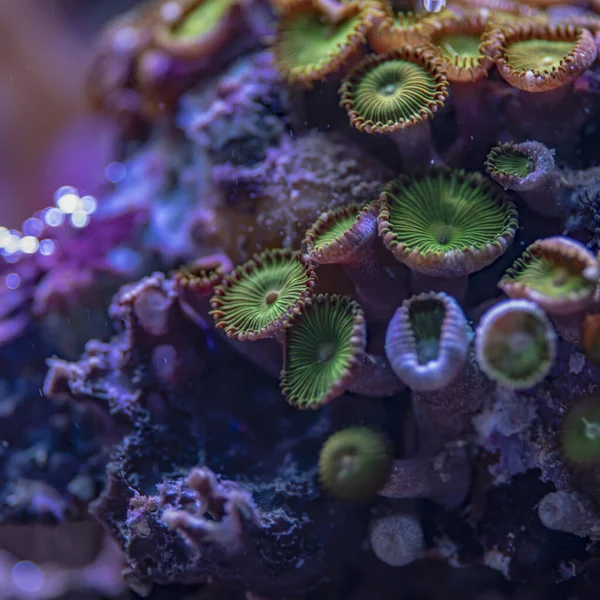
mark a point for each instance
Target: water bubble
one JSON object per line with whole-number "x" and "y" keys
{"x": 115, "y": 172}
{"x": 12, "y": 281}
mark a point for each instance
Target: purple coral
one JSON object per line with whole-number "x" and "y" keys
{"x": 44, "y": 290}
{"x": 532, "y": 173}
{"x": 427, "y": 341}
{"x": 243, "y": 114}
{"x": 231, "y": 512}
{"x": 444, "y": 478}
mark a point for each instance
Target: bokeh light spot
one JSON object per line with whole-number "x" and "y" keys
{"x": 27, "y": 576}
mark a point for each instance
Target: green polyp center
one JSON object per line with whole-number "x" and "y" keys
{"x": 516, "y": 347}
{"x": 394, "y": 91}
{"x": 202, "y": 19}
{"x": 538, "y": 55}
{"x": 335, "y": 230}
{"x": 428, "y": 350}
{"x": 354, "y": 463}
{"x": 308, "y": 40}
{"x": 426, "y": 320}
{"x": 389, "y": 89}
{"x": 514, "y": 163}
{"x": 443, "y": 233}
{"x": 592, "y": 429}
{"x": 551, "y": 274}
{"x": 460, "y": 46}
{"x": 346, "y": 463}
{"x": 581, "y": 432}
{"x": 319, "y": 351}
{"x": 325, "y": 353}
{"x": 442, "y": 213}
{"x": 560, "y": 277}
{"x": 271, "y": 297}
{"x": 260, "y": 297}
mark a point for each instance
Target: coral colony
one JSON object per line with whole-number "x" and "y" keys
{"x": 353, "y": 346}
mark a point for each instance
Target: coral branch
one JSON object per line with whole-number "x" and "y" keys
{"x": 231, "y": 511}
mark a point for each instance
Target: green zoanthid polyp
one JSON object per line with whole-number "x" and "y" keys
{"x": 580, "y": 434}
{"x": 355, "y": 463}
